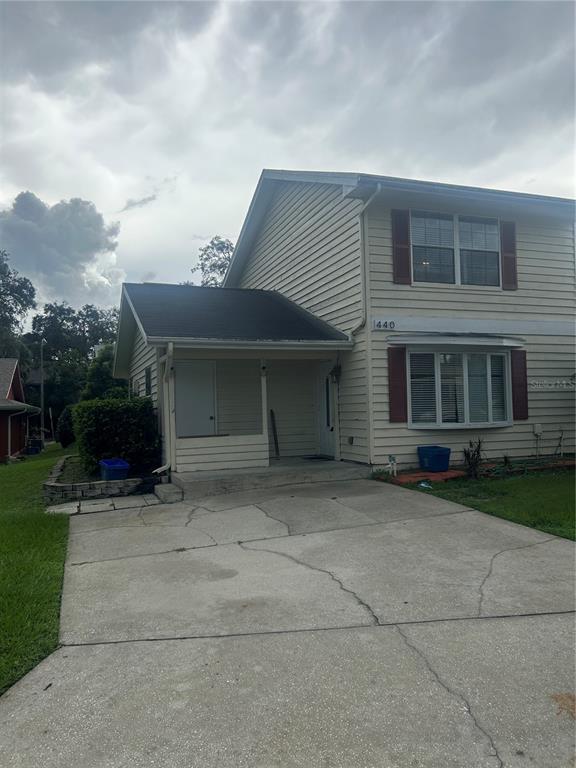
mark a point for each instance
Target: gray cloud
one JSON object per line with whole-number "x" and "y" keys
{"x": 67, "y": 249}
{"x": 138, "y": 203}
{"x": 107, "y": 101}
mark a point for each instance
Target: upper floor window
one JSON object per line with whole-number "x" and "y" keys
{"x": 463, "y": 250}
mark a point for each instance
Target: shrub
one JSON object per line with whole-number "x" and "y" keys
{"x": 473, "y": 459}
{"x": 65, "y": 427}
{"x": 111, "y": 428}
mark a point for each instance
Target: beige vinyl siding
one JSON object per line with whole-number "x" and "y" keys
{"x": 217, "y": 453}
{"x": 353, "y": 402}
{"x": 238, "y": 397}
{"x": 545, "y": 263}
{"x": 292, "y": 396}
{"x": 143, "y": 356}
{"x": 308, "y": 249}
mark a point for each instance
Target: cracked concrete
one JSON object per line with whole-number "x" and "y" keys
{"x": 343, "y": 624}
{"x": 442, "y": 684}
{"x": 332, "y": 575}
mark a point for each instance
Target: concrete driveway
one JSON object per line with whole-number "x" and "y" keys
{"x": 342, "y": 625}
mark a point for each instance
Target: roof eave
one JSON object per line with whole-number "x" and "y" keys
{"x": 123, "y": 346}
{"x": 288, "y": 344}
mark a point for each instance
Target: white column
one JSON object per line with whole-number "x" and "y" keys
{"x": 264, "y": 398}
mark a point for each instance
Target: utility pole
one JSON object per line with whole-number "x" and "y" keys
{"x": 42, "y": 342}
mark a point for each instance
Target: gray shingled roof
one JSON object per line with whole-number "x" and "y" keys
{"x": 7, "y": 368}
{"x": 228, "y": 314}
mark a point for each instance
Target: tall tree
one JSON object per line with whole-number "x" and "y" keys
{"x": 99, "y": 379}
{"x": 65, "y": 328}
{"x": 214, "y": 259}
{"x": 17, "y": 296}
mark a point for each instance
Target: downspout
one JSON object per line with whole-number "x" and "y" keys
{"x": 168, "y": 361}
{"x": 363, "y": 262}
{"x": 364, "y": 317}
{"x": 10, "y": 415}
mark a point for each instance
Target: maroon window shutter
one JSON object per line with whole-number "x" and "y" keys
{"x": 397, "y": 393}
{"x": 508, "y": 252}
{"x": 401, "y": 247}
{"x": 519, "y": 384}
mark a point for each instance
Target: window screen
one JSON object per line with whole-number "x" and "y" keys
{"x": 479, "y": 251}
{"x": 423, "y": 388}
{"x": 478, "y": 388}
{"x": 472, "y": 388}
{"x": 432, "y": 247}
{"x": 452, "y": 388}
{"x": 498, "y": 385}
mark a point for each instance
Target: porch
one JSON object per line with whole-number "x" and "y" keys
{"x": 280, "y": 472}
{"x": 241, "y": 413}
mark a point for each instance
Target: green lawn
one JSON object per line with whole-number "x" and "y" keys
{"x": 32, "y": 552}
{"x": 543, "y": 500}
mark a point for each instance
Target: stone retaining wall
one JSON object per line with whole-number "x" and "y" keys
{"x": 58, "y": 493}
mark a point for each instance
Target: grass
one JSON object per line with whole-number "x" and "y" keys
{"x": 32, "y": 552}
{"x": 542, "y": 500}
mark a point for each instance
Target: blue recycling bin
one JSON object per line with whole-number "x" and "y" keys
{"x": 433, "y": 458}
{"x": 114, "y": 469}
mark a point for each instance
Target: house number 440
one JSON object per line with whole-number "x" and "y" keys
{"x": 385, "y": 325}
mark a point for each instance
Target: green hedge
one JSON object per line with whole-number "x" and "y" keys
{"x": 112, "y": 428}
{"x": 65, "y": 427}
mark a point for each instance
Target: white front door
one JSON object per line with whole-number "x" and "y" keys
{"x": 195, "y": 398}
{"x": 326, "y": 412}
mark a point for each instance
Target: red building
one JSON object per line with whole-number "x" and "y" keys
{"x": 14, "y": 412}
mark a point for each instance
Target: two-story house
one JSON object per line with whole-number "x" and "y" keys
{"x": 361, "y": 317}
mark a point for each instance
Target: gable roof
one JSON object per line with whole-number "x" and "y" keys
{"x": 196, "y": 316}
{"x": 8, "y": 367}
{"x": 362, "y": 186}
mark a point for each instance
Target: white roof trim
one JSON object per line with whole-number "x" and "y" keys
{"x": 359, "y": 185}
{"x": 443, "y": 340}
{"x": 251, "y": 344}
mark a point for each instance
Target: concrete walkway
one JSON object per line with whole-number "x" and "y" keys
{"x": 342, "y": 625}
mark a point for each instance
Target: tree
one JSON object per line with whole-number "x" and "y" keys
{"x": 214, "y": 259}
{"x": 96, "y": 326}
{"x": 99, "y": 380}
{"x": 66, "y": 329}
{"x": 17, "y": 296}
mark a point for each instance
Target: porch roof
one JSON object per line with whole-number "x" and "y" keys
{"x": 186, "y": 313}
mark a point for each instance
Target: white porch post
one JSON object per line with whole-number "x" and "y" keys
{"x": 264, "y": 398}
{"x": 335, "y": 384}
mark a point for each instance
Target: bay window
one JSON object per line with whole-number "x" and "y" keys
{"x": 462, "y": 250}
{"x": 458, "y": 388}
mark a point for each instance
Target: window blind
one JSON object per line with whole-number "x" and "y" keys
{"x": 423, "y": 388}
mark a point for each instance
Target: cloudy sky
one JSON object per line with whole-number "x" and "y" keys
{"x": 136, "y": 131}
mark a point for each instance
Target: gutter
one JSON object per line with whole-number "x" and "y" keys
{"x": 239, "y": 344}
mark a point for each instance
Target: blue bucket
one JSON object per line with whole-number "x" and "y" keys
{"x": 434, "y": 458}
{"x": 114, "y": 469}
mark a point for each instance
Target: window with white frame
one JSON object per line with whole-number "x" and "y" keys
{"x": 458, "y": 388}
{"x": 463, "y": 250}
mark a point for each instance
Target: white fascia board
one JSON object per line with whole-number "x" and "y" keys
{"x": 438, "y": 340}
{"x": 231, "y": 344}
{"x": 121, "y": 341}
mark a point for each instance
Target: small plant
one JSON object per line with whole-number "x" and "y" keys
{"x": 473, "y": 458}
{"x": 507, "y": 465}
{"x": 65, "y": 428}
